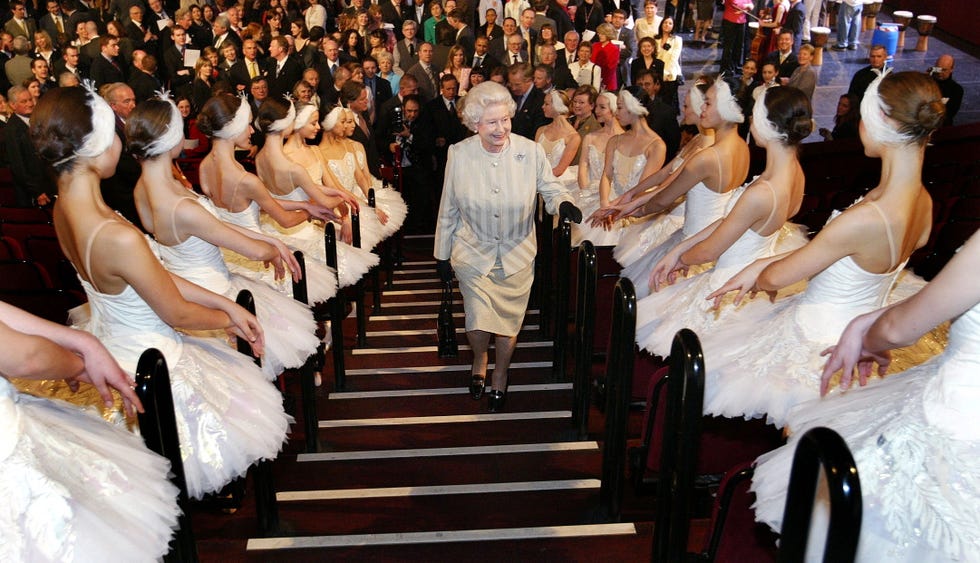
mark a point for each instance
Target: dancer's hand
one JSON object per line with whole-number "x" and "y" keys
{"x": 667, "y": 269}
{"x": 102, "y": 372}
{"x": 849, "y": 354}
{"x": 284, "y": 259}
{"x": 245, "y": 325}
{"x": 744, "y": 283}
{"x": 382, "y": 216}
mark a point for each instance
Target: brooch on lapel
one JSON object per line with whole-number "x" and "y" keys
{"x": 519, "y": 157}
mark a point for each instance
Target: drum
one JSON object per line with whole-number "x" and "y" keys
{"x": 820, "y": 36}
{"x": 832, "y": 8}
{"x": 903, "y": 19}
{"x": 871, "y": 10}
{"x": 886, "y": 35}
{"x": 925, "y": 25}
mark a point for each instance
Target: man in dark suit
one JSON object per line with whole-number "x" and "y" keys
{"x": 177, "y": 74}
{"x": 877, "y": 57}
{"x": 515, "y": 53}
{"x": 660, "y": 117}
{"x": 481, "y": 57}
{"x": 527, "y": 32}
{"x": 389, "y": 115}
{"x": 31, "y": 186}
{"x": 285, "y": 70}
{"x": 76, "y": 13}
{"x": 393, "y": 13}
{"x": 137, "y": 31}
{"x": 326, "y": 68}
{"x": 414, "y": 139}
{"x": 70, "y": 63}
{"x": 626, "y": 51}
{"x": 143, "y": 79}
{"x": 106, "y": 68}
{"x": 561, "y": 76}
{"x": 54, "y": 22}
{"x": 222, "y": 33}
{"x": 783, "y": 57}
{"x": 117, "y": 190}
{"x": 424, "y": 73}
{"x": 379, "y": 88}
{"x": 569, "y": 53}
{"x": 248, "y": 67}
{"x": 354, "y": 96}
{"x": 529, "y": 100}
{"x": 443, "y": 120}
{"x": 42, "y": 73}
{"x": 465, "y": 37}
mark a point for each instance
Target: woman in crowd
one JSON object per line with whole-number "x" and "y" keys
{"x": 649, "y": 24}
{"x": 352, "y": 45}
{"x": 846, "y": 119}
{"x": 273, "y": 24}
{"x": 583, "y": 70}
{"x": 196, "y": 144}
{"x": 590, "y": 165}
{"x": 135, "y": 303}
{"x": 647, "y": 59}
{"x": 912, "y": 435}
{"x": 606, "y": 56}
{"x": 546, "y": 36}
{"x": 588, "y": 17}
{"x": 377, "y": 43}
{"x": 388, "y": 70}
{"x": 78, "y": 488}
{"x": 456, "y": 65}
{"x": 44, "y": 49}
{"x": 429, "y": 25}
{"x": 303, "y": 92}
{"x": 803, "y": 77}
{"x": 706, "y": 171}
{"x": 189, "y": 238}
{"x": 852, "y": 264}
{"x": 751, "y": 229}
{"x": 559, "y": 139}
{"x": 747, "y": 84}
{"x": 774, "y": 23}
{"x": 493, "y": 172}
{"x": 669, "y": 51}
{"x": 706, "y": 16}
{"x": 201, "y": 87}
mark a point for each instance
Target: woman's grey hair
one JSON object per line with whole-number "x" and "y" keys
{"x": 481, "y": 97}
{"x": 385, "y": 55}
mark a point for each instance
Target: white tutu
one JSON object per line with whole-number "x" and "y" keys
{"x": 228, "y": 415}
{"x": 391, "y": 202}
{"x": 76, "y": 488}
{"x": 287, "y": 324}
{"x": 588, "y": 202}
{"x": 644, "y": 244}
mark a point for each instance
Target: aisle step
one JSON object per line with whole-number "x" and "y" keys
{"x": 468, "y": 489}
{"x": 419, "y": 349}
{"x": 345, "y": 395}
{"x": 442, "y": 536}
{"x": 431, "y": 369}
{"x": 432, "y": 331}
{"x": 443, "y": 419}
{"x": 450, "y": 452}
{"x": 425, "y": 316}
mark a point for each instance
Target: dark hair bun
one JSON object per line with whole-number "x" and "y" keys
{"x": 216, "y": 113}
{"x": 147, "y": 123}
{"x": 59, "y": 125}
{"x": 931, "y": 115}
{"x": 790, "y": 113}
{"x": 270, "y": 111}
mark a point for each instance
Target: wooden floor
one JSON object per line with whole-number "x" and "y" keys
{"x": 411, "y": 468}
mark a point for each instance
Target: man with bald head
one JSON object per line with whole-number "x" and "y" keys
{"x": 942, "y": 73}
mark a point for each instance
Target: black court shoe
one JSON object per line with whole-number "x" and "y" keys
{"x": 496, "y": 401}
{"x": 477, "y": 386}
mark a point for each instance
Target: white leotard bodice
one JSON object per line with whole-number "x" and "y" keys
{"x": 627, "y": 171}
{"x": 747, "y": 248}
{"x": 703, "y": 207}
{"x": 553, "y": 150}
{"x": 247, "y": 218}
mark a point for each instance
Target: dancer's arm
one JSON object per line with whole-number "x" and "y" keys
{"x": 256, "y": 191}
{"x": 572, "y": 143}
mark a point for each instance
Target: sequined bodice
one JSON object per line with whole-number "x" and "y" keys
{"x": 343, "y": 170}
{"x": 626, "y": 171}
{"x": 596, "y": 163}
{"x": 553, "y": 150}
{"x": 703, "y": 207}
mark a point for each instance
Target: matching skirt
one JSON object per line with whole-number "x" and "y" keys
{"x": 495, "y": 302}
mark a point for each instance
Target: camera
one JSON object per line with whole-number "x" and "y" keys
{"x": 935, "y": 71}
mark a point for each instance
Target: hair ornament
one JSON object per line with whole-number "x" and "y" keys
{"x": 174, "y": 134}
{"x": 631, "y": 104}
{"x": 103, "y": 132}
{"x": 280, "y": 125}
{"x": 557, "y": 103}
{"x": 764, "y": 129}
{"x": 728, "y": 107}
{"x": 303, "y": 115}
{"x": 874, "y": 110}
{"x": 330, "y": 121}
{"x": 238, "y": 124}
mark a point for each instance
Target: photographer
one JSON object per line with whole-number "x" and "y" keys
{"x": 942, "y": 73}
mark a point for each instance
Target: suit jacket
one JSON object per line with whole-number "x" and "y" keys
{"x": 497, "y": 47}
{"x": 563, "y": 23}
{"x": 14, "y": 29}
{"x": 370, "y": 147}
{"x": 47, "y": 23}
{"x": 481, "y": 203}
{"x": 562, "y": 59}
{"x": 427, "y": 88}
{"x": 494, "y": 33}
{"x": 488, "y": 63}
{"x": 389, "y": 15}
{"x": 18, "y": 69}
{"x": 789, "y": 65}
{"x": 282, "y": 81}
{"x": 88, "y": 52}
{"x": 382, "y": 93}
{"x": 663, "y": 120}
{"x": 25, "y": 165}
{"x": 230, "y": 36}
{"x": 173, "y": 62}
{"x": 60, "y": 67}
{"x": 637, "y": 65}
{"x": 144, "y": 85}
{"x": 466, "y": 39}
{"x": 529, "y": 116}
{"x": 563, "y": 79}
{"x": 404, "y": 55}
{"x": 445, "y": 125}
{"x": 238, "y": 74}
{"x": 117, "y": 190}
{"x": 104, "y": 72}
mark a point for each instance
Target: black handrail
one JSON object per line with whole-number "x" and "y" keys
{"x": 361, "y": 314}
{"x": 158, "y": 426}
{"x": 376, "y": 271}
{"x": 336, "y": 306}
{"x": 559, "y": 343}
{"x": 681, "y": 437}
{"x": 584, "y": 333}
{"x": 545, "y": 278}
{"x": 619, "y": 384}
{"x": 822, "y": 447}
{"x": 266, "y": 505}
{"x": 307, "y": 373}
{"x": 725, "y": 495}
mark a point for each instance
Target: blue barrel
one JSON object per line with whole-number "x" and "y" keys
{"x": 886, "y": 34}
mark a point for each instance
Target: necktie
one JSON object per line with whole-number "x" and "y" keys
{"x": 252, "y": 72}
{"x": 333, "y": 69}
{"x": 411, "y": 49}
{"x": 58, "y": 24}
{"x": 428, "y": 73}
{"x": 452, "y": 107}
{"x": 115, "y": 64}
{"x": 516, "y": 58}
{"x": 477, "y": 61}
